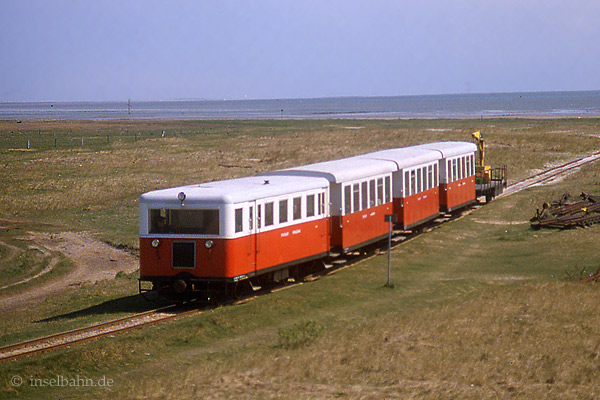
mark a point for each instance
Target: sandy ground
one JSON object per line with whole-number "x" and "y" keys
{"x": 93, "y": 259}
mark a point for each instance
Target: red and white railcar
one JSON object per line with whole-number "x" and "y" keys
{"x": 457, "y": 173}
{"x": 199, "y": 237}
{"x": 360, "y": 192}
{"x": 415, "y": 184}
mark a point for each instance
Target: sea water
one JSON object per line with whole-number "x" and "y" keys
{"x": 542, "y": 104}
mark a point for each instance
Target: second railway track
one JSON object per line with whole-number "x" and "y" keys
{"x": 548, "y": 174}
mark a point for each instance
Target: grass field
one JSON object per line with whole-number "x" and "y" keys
{"x": 482, "y": 308}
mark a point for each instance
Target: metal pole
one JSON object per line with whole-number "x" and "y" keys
{"x": 390, "y": 219}
{"x": 389, "y": 277}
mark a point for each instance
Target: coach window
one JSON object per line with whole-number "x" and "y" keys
{"x": 283, "y": 211}
{"x": 470, "y": 165}
{"x": 297, "y": 208}
{"x": 435, "y": 175}
{"x": 258, "y": 215}
{"x": 457, "y": 169}
{"x": 251, "y": 219}
{"x": 456, "y": 166}
{"x": 388, "y": 189}
{"x": 310, "y": 205}
{"x": 413, "y": 182}
{"x": 372, "y": 192}
{"x": 364, "y": 193}
{"x": 347, "y": 199}
{"x": 419, "y": 180}
{"x": 356, "y": 197}
{"x": 269, "y": 214}
{"x": 463, "y": 167}
{"x": 430, "y": 177}
{"x": 379, "y": 191}
{"x": 454, "y": 170}
{"x": 406, "y": 184}
{"x": 321, "y": 203}
{"x": 239, "y": 219}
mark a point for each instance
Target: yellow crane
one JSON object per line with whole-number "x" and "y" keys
{"x": 482, "y": 172}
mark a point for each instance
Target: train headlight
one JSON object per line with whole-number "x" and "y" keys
{"x": 209, "y": 244}
{"x": 181, "y": 196}
{"x": 155, "y": 243}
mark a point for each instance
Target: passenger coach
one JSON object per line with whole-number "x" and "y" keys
{"x": 457, "y": 173}
{"x": 415, "y": 184}
{"x": 360, "y": 192}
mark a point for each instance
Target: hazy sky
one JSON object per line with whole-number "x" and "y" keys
{"x": 59, "y": 50}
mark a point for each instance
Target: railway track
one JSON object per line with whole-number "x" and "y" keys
{"x": 548, "y": 174}
{"x": 136, "y": 321}
{"x": 88, "y": 333}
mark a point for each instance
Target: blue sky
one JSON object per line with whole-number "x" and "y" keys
{"x": 62, "y": 50}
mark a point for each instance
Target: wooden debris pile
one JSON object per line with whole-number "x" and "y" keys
{"x": 567, "y": 213}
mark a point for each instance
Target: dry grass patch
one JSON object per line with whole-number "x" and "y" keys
{"x": 535, "y": 340}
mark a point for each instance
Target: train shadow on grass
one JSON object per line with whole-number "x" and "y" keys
{"x": 129, "y": 304}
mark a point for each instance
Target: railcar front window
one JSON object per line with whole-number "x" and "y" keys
{"x": 194, "y": 222}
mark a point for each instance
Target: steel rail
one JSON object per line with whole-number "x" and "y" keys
{"x": 86, "y": 333}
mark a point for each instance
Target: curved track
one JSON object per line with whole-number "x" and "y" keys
{"x": 170, "y": 312}
{"x": 87, "y": 333}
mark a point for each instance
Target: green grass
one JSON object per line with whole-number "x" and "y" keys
{"x": 482, "y": 307}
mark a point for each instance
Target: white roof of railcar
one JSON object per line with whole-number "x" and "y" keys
{"x": 235, "y": 191}
{"x": 449, "y": 149}
{"x": 344, "y": 170}
{"x": 405, "y": 157}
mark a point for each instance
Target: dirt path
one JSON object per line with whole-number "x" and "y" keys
{"x": 93, "y": 259}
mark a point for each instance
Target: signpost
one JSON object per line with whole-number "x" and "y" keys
{"x": 390, "y": 219}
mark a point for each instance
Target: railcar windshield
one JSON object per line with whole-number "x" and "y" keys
{"x": 195, "y": 222}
